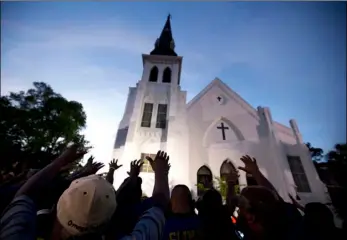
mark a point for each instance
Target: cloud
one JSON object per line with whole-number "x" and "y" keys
{"x": 58, "y": 57}
{"x": 90, "y": 63}
{"x": 110, "y": 34}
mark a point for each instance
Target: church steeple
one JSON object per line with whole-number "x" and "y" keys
{"x": 165, "y": 44}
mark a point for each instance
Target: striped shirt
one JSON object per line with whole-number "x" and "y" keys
{"x": 19, "y": 220}
{"x": 150, "y": 226}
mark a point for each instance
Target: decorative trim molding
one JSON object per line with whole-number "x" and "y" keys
{"x": 235, "y": 129}
{"x": 150, "y": 132}
{"x": 161, "y": 59}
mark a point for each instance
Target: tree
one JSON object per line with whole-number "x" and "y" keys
{"x": 36, "y": 125}
{"x": 333, "y": 173}
{"x": 337, "y": 165}
{"x": 337, "y": 160}
{"x": 316, "y": 153}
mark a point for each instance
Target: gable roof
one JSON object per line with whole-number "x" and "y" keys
{"x": 229, "y": 92}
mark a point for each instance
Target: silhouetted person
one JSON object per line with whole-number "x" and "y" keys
{"x": 318, "y": 223}
{"x": 215, "y": 218}
{"x": 182, "y": 222}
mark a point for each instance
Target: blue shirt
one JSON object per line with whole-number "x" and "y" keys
{"x": 150, "y": 226}
{"x": 144, "y": 206}
{"x": 181, "y": 227}
{"x": 19, "y": 220}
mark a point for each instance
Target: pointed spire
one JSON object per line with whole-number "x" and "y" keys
{"x": 165, "y": 44}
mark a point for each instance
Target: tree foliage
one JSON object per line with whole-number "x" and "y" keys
{"x": 337, "y": 165}
{"x": 337, "y": 162}
{"x": 333, "y": 173}
{"x": 36, "y": 125}
{"x": 316, "y": 153}
{"x": 222, "y": 186}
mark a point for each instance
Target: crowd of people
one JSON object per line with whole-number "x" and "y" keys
{"x": 53, "y": 203}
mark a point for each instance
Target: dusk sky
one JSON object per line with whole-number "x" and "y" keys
{"x": 288, "y": 56}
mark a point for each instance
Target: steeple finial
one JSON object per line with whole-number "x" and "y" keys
{"x": 165, "y": 44}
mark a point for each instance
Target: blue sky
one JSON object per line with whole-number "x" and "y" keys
{"x": 289, "y": 56}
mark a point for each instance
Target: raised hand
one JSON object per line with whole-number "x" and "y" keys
{"x": 96, "y": 167}
{"x": 135, "y": 167}
{"x": 92, "y": 167}
{"x": 160, "y": 162}
{"x": 161, "y": 167}
{"x": 90, "y": 161}
{"x": 251, "y": 166}
{"x": 36, "y": 183}
{"x": 114, "y": 164}
{"x": 70, "y": 155}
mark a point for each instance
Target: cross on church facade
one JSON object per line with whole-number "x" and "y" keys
{"x": 223, "y": 128}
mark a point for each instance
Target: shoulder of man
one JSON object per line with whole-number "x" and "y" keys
{"x": 19, "y": 219}
{"x": 149, "y": 226}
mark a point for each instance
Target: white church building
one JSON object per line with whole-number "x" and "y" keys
{"x": 215, "y": 125}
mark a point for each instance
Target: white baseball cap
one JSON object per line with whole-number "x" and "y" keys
{"x": 87, "y": 205}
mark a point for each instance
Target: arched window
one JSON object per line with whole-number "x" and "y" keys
{"x": 153, "y": 76}
{"x": 226, "y": 168}
{"x": 204, "y": 179}
{"x": 167, "y": 75}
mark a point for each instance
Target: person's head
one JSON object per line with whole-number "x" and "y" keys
{"x": 86, "y": 206}
{"x": 214, "y": 216}
{"x": 318, "y": 216}
{"x": 210, "y": 202}
{"x": 181, "y": 199}
{"x": 259, "y": 210}
{"x": 129, "y": 192}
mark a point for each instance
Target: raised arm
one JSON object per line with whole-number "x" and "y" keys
{"x": 19, "y": 218}
{"x": 130, "y": 182}
{"x": 90, "y": 168}
{"x": 46, "y": 175}
{"x": 151, "y": 224}
{"x": 161, "y": 169}
{"x": 252, "y": 168}
{"x": 113, "y": 167}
